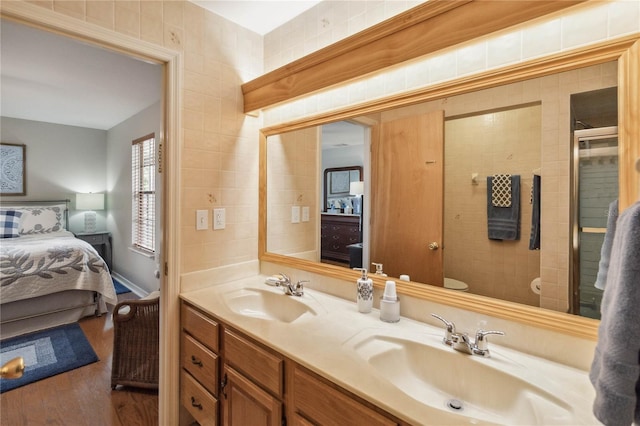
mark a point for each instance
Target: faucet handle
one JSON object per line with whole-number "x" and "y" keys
{"x": 300, "y": 287}
{"x": 482, "y": 342}
{"x": 449, "y": 327}
{"x": 284, "y": 279}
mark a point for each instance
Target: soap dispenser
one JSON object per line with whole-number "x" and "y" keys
{"x": 364, "y": 296}
{"x": 379, "y": 269}
{"x": 390, "y": 303}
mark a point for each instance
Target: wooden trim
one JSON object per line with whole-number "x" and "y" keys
{"x": 566, "y": 61}
{"x": 36, "y": 16}
{"x": 262, "y": 196}
{"x": 424, "y": 29}
{"x": 629, "y": 126}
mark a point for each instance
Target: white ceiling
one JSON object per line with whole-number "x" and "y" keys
{"x": 341, "y": 134}
{"x": 260, "y": 16}
{"x": 55, "y": 79}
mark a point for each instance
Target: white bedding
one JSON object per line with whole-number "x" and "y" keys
{"x": 37, "y": 265}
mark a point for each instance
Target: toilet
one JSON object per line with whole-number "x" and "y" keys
{"x": 453, "y": 284}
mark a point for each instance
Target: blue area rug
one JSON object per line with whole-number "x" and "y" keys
{"x": 119, "y": 287}
{"x": 46, "y": 353}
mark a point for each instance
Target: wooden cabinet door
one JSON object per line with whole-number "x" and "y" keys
{"x": 244, "y": 403}
{"x": 407, "y": 198}
{"x": 316, "y": 402}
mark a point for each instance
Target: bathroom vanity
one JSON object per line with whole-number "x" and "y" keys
{"x": 315, "y": 360}
{"x": 252, "y": 382}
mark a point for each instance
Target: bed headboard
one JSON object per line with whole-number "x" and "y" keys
{"x": 36, "y": 203}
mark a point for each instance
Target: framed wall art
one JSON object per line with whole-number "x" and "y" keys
{"x": 12, "y": 169}
{"x": 337, "y": 181}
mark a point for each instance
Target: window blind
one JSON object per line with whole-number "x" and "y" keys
{"x": 143, "y": 166}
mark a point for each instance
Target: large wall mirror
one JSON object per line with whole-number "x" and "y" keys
{"x": 523, "y": 127}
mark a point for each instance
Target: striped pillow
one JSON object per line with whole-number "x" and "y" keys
{"x": 10, "y": 223}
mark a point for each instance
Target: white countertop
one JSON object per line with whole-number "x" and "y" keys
{"x": 325, "y": 343}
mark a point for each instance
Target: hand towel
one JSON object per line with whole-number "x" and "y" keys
{"x": 534, "y": 238}
{"x": 616, "y": 365}
{"x": 605, "y": 251}
{"x": 504, "y": 222}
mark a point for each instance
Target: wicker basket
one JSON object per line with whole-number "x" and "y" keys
{"x": 136, "y": 325}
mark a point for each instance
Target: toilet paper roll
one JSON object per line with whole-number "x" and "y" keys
{"x": 535, "y": 285}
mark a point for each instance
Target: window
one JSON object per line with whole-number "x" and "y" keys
{"x": 143, "y": 185}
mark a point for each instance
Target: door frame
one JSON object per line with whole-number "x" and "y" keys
{"x": 48, "y": 20}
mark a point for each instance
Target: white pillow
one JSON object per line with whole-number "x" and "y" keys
{"x": 42, "y": 219}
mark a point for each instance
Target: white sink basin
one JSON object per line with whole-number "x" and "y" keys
{"x": 268, "y": 305}
{"x": 480, "y": 390}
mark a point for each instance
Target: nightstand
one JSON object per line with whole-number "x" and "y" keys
{"x": 101, "y": 241}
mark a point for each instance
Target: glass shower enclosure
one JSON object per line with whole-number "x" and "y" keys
{"x": 595, "y": 187}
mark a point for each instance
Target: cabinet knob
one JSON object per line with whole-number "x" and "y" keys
{"x": 195, "y": 403}
{"x": 433, "y": 246}
{"x": 196, "y": 361}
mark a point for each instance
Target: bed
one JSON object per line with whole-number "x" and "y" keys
{"x": 47, "y": 276}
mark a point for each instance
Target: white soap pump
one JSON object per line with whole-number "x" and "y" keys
{"x": 390, "y": 303}
{"x": 379, "y": 269}
{"x": 364, "y": 296}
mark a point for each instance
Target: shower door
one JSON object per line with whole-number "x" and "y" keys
{"x": 595, "y": 186}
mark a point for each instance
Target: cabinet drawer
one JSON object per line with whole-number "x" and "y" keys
{"x": 200, "y": 403}
{"x": 260, "y": 365}
{"x": 326, "y": 405}
{"x": 203, "y": 328}
{"x": 201, "y": 363}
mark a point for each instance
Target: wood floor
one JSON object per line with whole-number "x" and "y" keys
{"x": 82, "y": 396}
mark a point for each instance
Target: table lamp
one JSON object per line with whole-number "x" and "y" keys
{"x": 90, "y": 202}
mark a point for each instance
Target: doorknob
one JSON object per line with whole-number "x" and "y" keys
{"x": 433, "y": 246}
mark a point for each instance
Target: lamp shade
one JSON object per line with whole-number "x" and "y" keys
{"x": 356, "y": 188}
{"x": 90, "y": 201}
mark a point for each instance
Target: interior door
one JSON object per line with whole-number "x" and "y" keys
{"x": 407, "y": 200}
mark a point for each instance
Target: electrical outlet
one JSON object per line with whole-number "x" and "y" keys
{"x": 202, "y": 219}
{"x": 305, "y": 214}
{"x": 219, "y": 221}
{"x": 295, "y": 214}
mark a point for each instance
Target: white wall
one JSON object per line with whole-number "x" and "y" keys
{"x": 137, "y": 268}
{"x": 60, "y": 161}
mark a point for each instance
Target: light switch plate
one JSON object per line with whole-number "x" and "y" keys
{"x": 295, "y": 214}
{"x": 305, "y": 214}
{"x": 202, "y": 220}
{"x": 219, "y": 220}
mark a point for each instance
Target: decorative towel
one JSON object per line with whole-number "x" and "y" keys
{"x": 534, "y": 238}
{"x": 616, "y": 367}
{"x": 605, "y": 251}
{"x": 504, "y": 222}
{"x": 501, "y": 190}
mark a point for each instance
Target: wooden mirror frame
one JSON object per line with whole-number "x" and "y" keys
{"x": 625, "y": 50}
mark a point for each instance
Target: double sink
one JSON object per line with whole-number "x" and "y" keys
{"x": 509, "y": 388}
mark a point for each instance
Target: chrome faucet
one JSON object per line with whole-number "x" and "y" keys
{"x": 289, "y": 288}
{"x": 461, "y": 341}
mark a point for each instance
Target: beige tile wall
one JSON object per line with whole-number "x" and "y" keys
{"x": 219, "y": 142}
{"x": 506, "y": 141}
{"x": 324, "y": 24}
{"x": 293, "y": 180}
